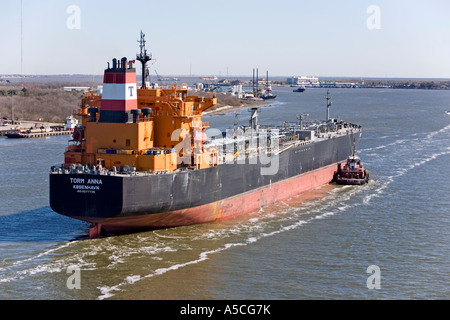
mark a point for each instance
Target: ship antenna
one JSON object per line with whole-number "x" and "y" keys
{"x": 329, "y": 103}
{"x": 353, "y": 147}
{"x": 302, "y": 117}
{"x": 143, "y": 57}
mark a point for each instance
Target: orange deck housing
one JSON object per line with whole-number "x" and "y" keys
{"x": 163, "y": 133}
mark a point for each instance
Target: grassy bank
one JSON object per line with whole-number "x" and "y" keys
{"x": 45, "y": 102}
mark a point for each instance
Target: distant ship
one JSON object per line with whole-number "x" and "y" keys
{"x": 144, "y": 159}
{"x": 209, "y": 78}
{"x": 300, "y": 89}
{"x": 15, "y": 135}
{"x": 268, "y": 95}
{"x": 267, "y": 91}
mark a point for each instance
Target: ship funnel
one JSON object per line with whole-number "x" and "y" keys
{"x": 136, "y": 113}
{"x": 124, "y": 63}
{"x": 146, "y": 112}
{"x": 119, "y": 95}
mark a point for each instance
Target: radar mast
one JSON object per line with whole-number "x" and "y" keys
{"x": 143, "y": 57}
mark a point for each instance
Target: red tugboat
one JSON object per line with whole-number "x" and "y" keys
{"x": 353, "y": 172}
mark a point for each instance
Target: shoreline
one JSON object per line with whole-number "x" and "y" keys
{"x": 222, "y": 110}
{"x": 27, "y": 124}
{"x": 227, "y": 108}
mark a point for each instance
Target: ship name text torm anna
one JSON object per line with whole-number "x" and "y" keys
{"x": 142, "y": 158}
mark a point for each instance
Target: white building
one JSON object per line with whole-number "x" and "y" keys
{"x": 305, "y": 81}
{"x": 76, "y": 88}
{"x": 236, "y": 90}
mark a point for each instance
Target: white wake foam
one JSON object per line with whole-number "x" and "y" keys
{"x": 324, "y": 207}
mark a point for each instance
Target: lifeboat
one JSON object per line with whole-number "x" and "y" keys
{"x": 352, "y": 173}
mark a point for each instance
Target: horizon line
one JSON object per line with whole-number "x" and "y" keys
{"x": 16, "y": 75}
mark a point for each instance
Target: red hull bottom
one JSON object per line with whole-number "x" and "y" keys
{"x": 223, "y": 209}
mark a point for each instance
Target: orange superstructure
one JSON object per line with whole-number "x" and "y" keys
{"x": 147, "y": 129}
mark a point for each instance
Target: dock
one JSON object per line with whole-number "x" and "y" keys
{"x": 37, "y": 134}
{"x": 30, "y": 135}
{"x": 36, "y": 130}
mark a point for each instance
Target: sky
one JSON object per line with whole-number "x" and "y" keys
{"x": 347, "y": 38}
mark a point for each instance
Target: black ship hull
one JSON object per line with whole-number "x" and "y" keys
{"x": 120, "y": 202}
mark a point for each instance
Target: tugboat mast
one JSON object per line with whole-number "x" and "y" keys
{"x": 143, "y": 57}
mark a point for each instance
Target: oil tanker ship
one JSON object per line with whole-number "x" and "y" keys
{"x": 142, "y": 158}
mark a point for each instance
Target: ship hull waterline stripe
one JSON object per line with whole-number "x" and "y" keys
{"x": 223, "y": 209}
